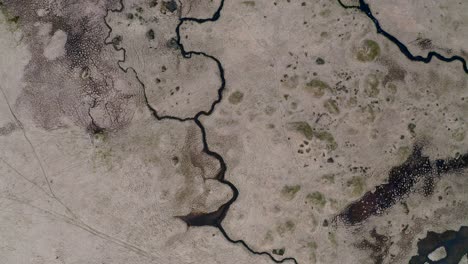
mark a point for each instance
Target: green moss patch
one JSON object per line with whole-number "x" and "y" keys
{"x": 368, "y": 51}
{"x": 9, "y": 18}
{"x": 392, "y": 88}
{"x": 249, "y": 3}
{"x": 312, "y": 247}
{"x": 100, "y": 137}
{"x": 332, "y": 238}
{"x": 317, "y": 199}
{"x": 325, "y": 13}
{"x": 317, "y": 87}
{"x": 328, "y": 138}
{"x": 329, "y": 178}
{"x": 459, "y": 134}
{"x": 403, "y": 153}
{"x": 369, "y": 113}
{"x": 288, "y": 226}
{"x": 290, "y": 191}
{"x": 306, "y": 130}
{"x": 331, "y": 106}
{"x": 357, "y": 185}
{"x": 103, "y": 157}
{"x": 371, "y": 85}
{"x": 236, "y": 97}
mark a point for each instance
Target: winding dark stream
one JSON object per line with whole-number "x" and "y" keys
{"x": 216, "y": 218}
{"x": 364, "y": 7}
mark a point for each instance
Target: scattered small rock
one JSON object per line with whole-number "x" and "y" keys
{"x": 170, "y": 6}
{"x": 150, "y": 34}
{"x": 279, "y": 251}
{"x": 319, "y": 61}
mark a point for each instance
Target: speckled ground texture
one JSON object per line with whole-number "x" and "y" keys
{"x": 212, "y": 131}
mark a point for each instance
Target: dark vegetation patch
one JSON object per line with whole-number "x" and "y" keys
{"x": 378, "y": 245}
{"x": 401, "y": 181}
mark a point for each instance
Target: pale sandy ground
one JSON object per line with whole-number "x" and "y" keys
{"x": 89, "y": 175}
